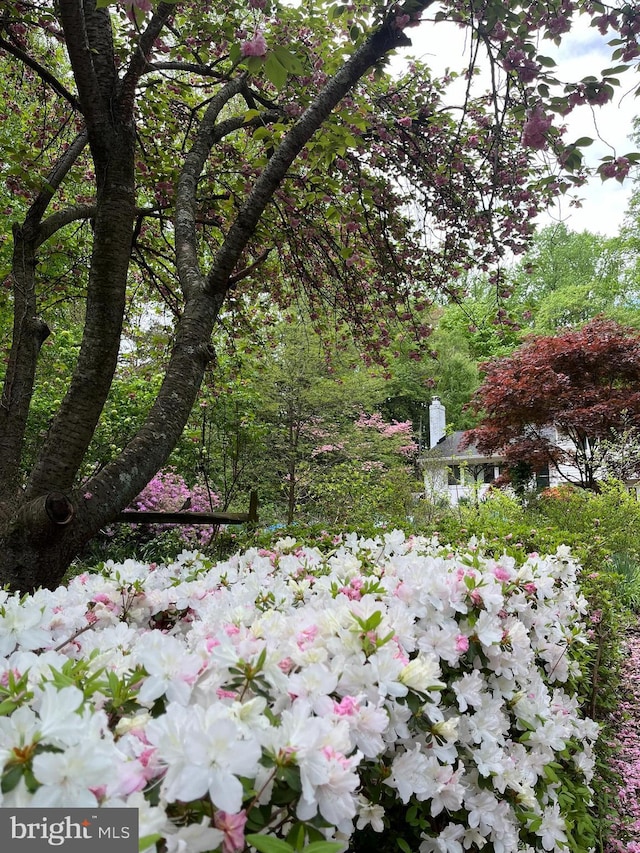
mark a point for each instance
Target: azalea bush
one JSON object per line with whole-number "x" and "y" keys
{"x": 166, "y": 492}
{"x": 385, "y": 690}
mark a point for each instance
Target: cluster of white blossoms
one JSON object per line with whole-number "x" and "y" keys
{"x": 290, "y": 688}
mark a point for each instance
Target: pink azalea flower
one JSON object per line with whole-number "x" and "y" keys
{"x": 462, "y": 643}
{"x": 501, "y": 573}
{"x": 233, "y": 827}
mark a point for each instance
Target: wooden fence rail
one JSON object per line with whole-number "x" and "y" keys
{"x": 186, "y": 517}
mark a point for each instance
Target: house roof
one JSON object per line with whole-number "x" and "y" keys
{"x": 448, "y": 450}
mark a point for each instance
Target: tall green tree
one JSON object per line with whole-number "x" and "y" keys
{"x": 568, "y": 278}
{"x": 209, "y": 151}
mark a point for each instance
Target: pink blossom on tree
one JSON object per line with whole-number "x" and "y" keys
{"x": 143, "y": 5}
{"x": 534, "y": 133}
{"x": 257, "y": 46}
{"x": 618, "y": 169}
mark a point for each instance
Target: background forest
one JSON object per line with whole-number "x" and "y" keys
{"x": 324, "y": 431}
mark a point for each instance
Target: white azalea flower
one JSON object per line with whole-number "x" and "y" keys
{"x": 422, "y": 673}
{"x": 488, "y": 629}
{"x": 194, "y": 838}
{"x": 66, "y": 777}
{"x": 370, "y": 814}
{"x": 204, "y": 752}
{"x": 172, "y": 668}
{"x": 468, "y": 689}
{"x": 552, "y": 830}
{"x": 23, "y": 624}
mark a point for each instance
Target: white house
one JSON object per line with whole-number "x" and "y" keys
{"x": 456, "y": 474}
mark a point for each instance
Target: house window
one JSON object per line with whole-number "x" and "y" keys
{"x": 454, "y": 475}
{"x": 489, "y": 474}
{"x": 542, "y": 479}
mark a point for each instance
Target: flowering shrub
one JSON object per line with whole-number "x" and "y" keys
{"x": 168, "y": 492}
{"x": 626, "y": 719}
{"x": 293, "y": 696}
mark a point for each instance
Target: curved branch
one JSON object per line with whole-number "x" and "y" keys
{"x": 185, "y": 219}
{"x": 234, "y": 279}
{"x": 54, "y": 179}
{"x": 42, "y": 72}
{"x": 58, "y": 220}
{"x": 188, "y": 67}
{"x": 385, "y": 39}
{"x": 73, "y": 25}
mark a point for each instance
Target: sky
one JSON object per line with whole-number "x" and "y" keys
{"x": 583, "y": 52}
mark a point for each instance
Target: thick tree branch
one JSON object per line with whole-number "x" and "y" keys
{"x": 53, "y": 182}
{"x": 185, "y": 219}
{"x": 29, "y": 331}
{"x": 140, "y": 60}
{"x": 61, "y": 218}
{"x": 385, "y": 39}
{"x": 92, "y": 105}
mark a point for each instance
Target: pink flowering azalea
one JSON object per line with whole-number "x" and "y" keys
{"x": 257, "y": 46}
{"x": 233, "y": 827}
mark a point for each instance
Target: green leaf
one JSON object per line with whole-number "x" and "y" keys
{"x": 262, "y": 133}
{"x": 11, "y": 778}
{"x": 288, "y": 60}
{"x": 323, "y": 847}
{"x": 267, "y": 844}
{"x": 402, "y": 844}
{"x": 275, "y": 71}
{"x": 148, "y": 840}
{"x": 7, "y": 707}
{"x": 296, "y": 835}
{"x": 583, "y": 141}
{"x": 617, "y": 69}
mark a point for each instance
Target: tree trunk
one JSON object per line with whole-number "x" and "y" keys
{"x": 43, "y": 528}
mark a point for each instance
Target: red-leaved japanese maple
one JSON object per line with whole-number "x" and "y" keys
{"x": 559, "y": 400}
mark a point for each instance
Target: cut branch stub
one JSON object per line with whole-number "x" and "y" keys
{"x": 58, "y": 508}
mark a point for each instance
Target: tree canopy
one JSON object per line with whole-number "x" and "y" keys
{"x": 208, "y": 154}
{"x": 581, "y": 384}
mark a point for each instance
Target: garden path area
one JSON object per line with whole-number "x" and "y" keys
{"x": 627, "y": 764}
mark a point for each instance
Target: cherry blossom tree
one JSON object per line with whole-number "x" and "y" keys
{"x": 203, "y": 152}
